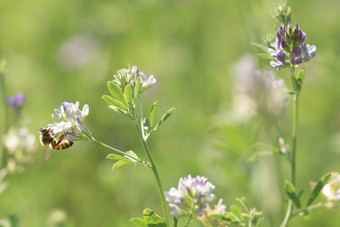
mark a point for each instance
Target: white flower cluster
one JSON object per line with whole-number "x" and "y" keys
{"x": 70, "y": 120}
{"x": 192, "y": 195}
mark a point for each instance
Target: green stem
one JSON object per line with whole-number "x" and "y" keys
{"x": 155, "y": 172}
{"x": 311, "y": 207}
{"x": 5, "y": 114}
{"x": 189, "y": 220}
{"x": 114, "y": 149}
{"x": 294, "y": 143}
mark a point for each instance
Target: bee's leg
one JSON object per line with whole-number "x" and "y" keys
{"x": 62, "y": 137}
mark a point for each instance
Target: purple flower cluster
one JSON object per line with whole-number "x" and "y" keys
{"x": 290, "y": 42}
{"x": 192, "y": 196}
{"x": 17, "y": 100}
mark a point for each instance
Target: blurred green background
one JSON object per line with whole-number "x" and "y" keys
{"x": 66, "y": 51}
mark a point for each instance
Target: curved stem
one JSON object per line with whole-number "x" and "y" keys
{"x": 311, "y": 207}
{"x": 155, "y": 172}
{"x": 142, "y": 139}
{"x": 114, "y": 149}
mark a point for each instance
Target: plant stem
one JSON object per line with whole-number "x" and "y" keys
{"x": 293, "y": 147}
{"x": 155, "y": 172}
{"x": 114, "y": 149}
{"x": 311, "y": 207}
{"x": 5, "y": 114}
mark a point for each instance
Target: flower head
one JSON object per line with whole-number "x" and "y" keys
{"x": 130, "y": 76}
{"x": 191, "y": 196}
{"x": 70, "y": 120}
{"x": 290, "y": 41}
{"x": 17, "y": 100}
{"x": 209, "y": 220}
{"x": 332, "y": 189}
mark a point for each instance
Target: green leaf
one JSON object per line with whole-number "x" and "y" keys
{"x": 114, "y": 102}
{"x": 139, "y": 222}
{"x": 128, "y": 94}
{"x": 164, "y": 117}
{"x": 243, "y": 203}
{"x": 237, "y": 212}
{"x": 152, "y": 219}
{"x": 260, "y": 47}
{"x": 137, "y": 89}
{"x": 291, "y": 192}
{"x": 116, "y": 92}
{"x": 321, "y": 183}
{"x": 266, "y": 56}
{"x": 152, "y": 114}
{"x": 119, "y": 157}
{"x": 124, "y": 160}
{"x": 299, "y": 78}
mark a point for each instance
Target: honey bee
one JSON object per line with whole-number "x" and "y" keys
{"x": 49, "y": 141}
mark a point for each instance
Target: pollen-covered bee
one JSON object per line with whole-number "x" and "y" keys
{"x": 49, "y": 141}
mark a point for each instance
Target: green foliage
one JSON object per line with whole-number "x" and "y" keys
{"x": 315, "y": 192}
{"x": 151, "y": 219}
{"x": 291, "y": 192}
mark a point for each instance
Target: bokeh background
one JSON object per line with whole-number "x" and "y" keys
{"x": 67, "y": 50}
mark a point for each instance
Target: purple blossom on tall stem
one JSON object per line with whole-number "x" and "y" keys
{"x": 290, "y": 42}
{"x": 17, "y": 100}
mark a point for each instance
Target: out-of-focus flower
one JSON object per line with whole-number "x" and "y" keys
{"x": 17, "y": 100}
{"x": 332, "y": 190}
{"x": 290, "y": 42}
{"x": 257, "y": 92}
{"x": 19, "y": 139}
{"x": 70, "y": 120}
{"x": 191, "y": 196}
{"x": 210, "y": 221}
{"x": 77, "y": 51}
{"x": 57, "y": 218}
{"x": 20, "y": 144}
{"x": 283, "y": 13}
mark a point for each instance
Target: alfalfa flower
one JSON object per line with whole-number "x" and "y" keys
{"x": 16, "y": 100}
{"x": 290, "y": 43}
{"x": 70, "y": 120}
{"x": 332, "y": 189}
{"x": 208, "y": 218}
{"x": 191, "y": 196}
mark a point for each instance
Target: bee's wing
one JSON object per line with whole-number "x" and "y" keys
{"x": 47, "y": 152}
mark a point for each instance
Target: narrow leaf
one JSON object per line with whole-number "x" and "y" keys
{"x": 261, "y": 47}
{"x": 152, "y": 114}
{"x": 137, "y": 89}
{"x": 113, "y": 102}
{"x": 291, "y": 192}
{"x": 152, "y": 218}
{"x": 165, "y": 116}
{"x": 266, "y": 56}
{"x": 139, "y": 222}
{"x": 299, "y": 77}
{"x": 237, "y": 212}
{"x": 243, "y": 203}
{"x": 321, "y": 183}
{"x": 116, "y": 92}
{"x": 260, "y": 222}
{"x": 121, "y": 163}
{"x": 265, "y": 147}
{"x": 128, "y": 94}
{"x": 119, "y": 157}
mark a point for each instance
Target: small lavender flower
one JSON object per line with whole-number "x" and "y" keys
{"x": 332, "y": 189}
{"x": 70, "y": 120}
{"x": 290, "y": 42}
{"x": 192, "y": 196}
{"x": 17, "y": 100}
